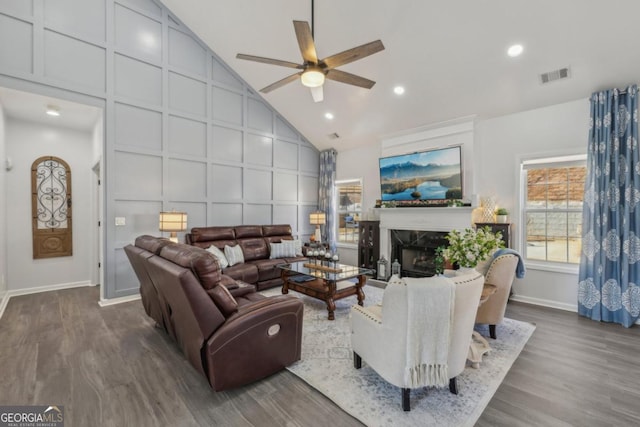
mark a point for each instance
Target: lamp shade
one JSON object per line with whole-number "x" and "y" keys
{"x": 173, "y": 221}
{"x": 317, "y": 218}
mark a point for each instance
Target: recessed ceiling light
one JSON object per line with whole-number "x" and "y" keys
{"x": 52, "y": 110}
{"x": 328, "y": 116}
{"x": 398, "y": 90}
{"x": 515, "y": 50}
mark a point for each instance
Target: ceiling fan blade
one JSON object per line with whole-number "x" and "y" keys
{"x": 305, "y": 41}
{"x": 350, "y": 79}
{"x": 353, "y": 54}
{"x": 269, "y": 61}
{"x": 280, "y": 83}
{"x": 317, "y": 93}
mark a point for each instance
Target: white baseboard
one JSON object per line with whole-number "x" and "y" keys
{"x": 17, "y": 292}
{"x": 4, "y": 300}
{"x": 546, "y": 303}
{"x": 119, "y": 300}
{"x": 550, "y": 304}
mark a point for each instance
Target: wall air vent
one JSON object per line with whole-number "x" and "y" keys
{"x": 551, "y": 76}
{"x": 333, "y": 136}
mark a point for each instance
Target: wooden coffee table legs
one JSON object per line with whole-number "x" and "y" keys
{"x": 331, "y": 305}
{"x": 325, "y": 290}
{"x": 336, "y": 294}
{"x": 361, "y": 282}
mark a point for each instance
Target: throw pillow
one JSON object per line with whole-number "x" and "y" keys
{"x": 223, "y": 300}
{"x": 234, "y": 254}
{"x": 280, "y": 250}
{"x": 297, "y": 246}
{"x": 220, "y": 255}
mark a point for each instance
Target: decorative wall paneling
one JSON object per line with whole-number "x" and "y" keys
{"x": 182, "y": 130}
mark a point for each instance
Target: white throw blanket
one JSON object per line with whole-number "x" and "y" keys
{"x": 430, "y": 319}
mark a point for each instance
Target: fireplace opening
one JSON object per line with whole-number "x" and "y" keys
{"x": 418, "y": 262}
{"x": 415, "y": 250}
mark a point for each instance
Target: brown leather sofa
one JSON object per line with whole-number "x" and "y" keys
{"x": 255, "y": 241}
{"x": 227, "y": 331}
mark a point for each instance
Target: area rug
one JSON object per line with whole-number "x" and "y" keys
{"x": 327, "y": 365}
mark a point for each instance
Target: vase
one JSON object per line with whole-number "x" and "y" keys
{"x": 463, "y": 271}
{"x": 488, "y": 209}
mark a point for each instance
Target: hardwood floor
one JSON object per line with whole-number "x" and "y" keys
{"x": 573, "y": 371}
{"x": 110, "y": 367}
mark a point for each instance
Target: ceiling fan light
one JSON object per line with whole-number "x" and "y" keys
{"x": 312, "y": 78}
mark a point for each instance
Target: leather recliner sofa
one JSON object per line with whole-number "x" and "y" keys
{"x": 257, "y": 269}
{"x": 227, "y": 331}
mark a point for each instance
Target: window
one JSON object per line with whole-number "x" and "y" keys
{"x": 349, "y": 206}
{"x": 553, "y": 193}
{"x": 51, "y": 208}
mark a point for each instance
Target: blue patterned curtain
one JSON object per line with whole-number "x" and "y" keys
{"x": 608, "y": 288}
{"x": 326, "y": 200}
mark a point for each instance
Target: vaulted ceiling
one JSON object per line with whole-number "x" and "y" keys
{"x": 450, "y": 56}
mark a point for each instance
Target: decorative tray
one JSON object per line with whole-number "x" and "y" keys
{"x": 322, "y": 267}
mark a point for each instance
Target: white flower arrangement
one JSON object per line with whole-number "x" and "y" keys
{"x": 469, "y": 247}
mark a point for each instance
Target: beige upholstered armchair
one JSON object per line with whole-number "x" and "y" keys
{"x": 501, "y": 273}
{"x": 419, "y": 336}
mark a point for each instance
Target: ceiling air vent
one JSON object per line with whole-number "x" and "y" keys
{"x": 333, "y": 136}
{"x": 551, "y": 76}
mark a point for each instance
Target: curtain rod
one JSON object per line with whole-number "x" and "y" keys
{"x": 623, "y": 91}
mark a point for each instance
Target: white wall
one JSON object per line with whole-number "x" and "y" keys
{"x": 3, "y": 229}
{"x": 25, "y": 142}
{"x": 97, "y": 201}
{"x": 499, "y": 144}
{"x": 360, "y": 163}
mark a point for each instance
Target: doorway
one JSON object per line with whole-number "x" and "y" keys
{"x": 73, "y": 131}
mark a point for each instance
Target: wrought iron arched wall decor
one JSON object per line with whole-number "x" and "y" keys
{"x": 51, "y": 208}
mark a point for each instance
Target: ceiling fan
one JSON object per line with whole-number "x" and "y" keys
{"x": 313, "y": 70}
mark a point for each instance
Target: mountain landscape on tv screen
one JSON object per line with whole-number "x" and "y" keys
{"x": 412, "y": 181}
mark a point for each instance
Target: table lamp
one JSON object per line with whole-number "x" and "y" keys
{"x": 317, "y": 219}
{"x": 173, "y": 222}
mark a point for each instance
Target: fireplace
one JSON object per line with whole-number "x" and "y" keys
{"x": 415, "y": 250}
{"x": 409, "y": 234}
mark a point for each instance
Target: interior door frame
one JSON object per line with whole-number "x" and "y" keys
{"x": 91, "y": 101}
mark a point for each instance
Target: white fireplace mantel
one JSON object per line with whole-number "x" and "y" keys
{"x": 423, "y": 219}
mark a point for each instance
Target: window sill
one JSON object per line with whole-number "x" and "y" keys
{"x": 553, "y": 267}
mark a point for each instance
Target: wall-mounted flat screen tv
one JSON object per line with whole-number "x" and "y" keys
{"x": 425, "y": 175}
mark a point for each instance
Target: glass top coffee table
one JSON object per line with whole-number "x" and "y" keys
{"x": 327, "y": 282}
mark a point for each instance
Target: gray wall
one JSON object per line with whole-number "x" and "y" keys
{"x": 182, "y": 131}
{"x": 3, "y": 214}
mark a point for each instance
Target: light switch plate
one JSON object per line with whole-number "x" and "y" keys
{"x": 120, "y": 221}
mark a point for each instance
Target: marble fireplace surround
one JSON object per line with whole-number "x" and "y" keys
{"x": 420, "y": 219}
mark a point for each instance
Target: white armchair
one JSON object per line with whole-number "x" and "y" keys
{"x": 384, "y": 335}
